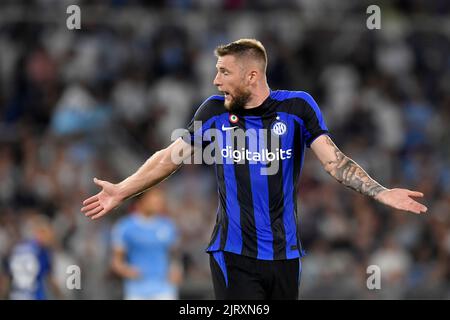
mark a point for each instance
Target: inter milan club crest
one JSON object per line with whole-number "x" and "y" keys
{"x": 279, "y": 128}
{"x": 233, "y": 118}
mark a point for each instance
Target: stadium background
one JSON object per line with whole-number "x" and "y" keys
{"x": 100, "y": 100}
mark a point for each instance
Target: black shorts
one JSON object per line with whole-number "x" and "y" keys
{"x": 237, "y": 277}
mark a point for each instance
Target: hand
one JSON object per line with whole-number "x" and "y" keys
{"x": 103, "y": 202}
{"x": 401, "y": 199}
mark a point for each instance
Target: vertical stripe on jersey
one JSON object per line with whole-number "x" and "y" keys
{"x": 276, "y": 197}
{"x": 261, "y": 194}
{"x": 245, "y": 198}
{"x": 289, "y": 218}
{"x": 232, "y": 209}
{"x": 219, "y": 235}
{"x": 299, "y": 154}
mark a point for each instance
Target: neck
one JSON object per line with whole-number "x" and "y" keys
{"x": 146, "y": 215}
{"x": 258, "y": 96}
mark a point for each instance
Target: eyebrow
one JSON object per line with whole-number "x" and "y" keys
{"x": 222, "y": 69}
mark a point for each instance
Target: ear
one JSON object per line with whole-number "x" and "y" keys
{"x": 252, "y": 76}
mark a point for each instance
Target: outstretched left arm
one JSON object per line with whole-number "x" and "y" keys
{"x": 350, "y": 174}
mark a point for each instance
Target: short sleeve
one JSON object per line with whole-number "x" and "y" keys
{"x": 203, "y": 120}
{"x": 313, "y": 121}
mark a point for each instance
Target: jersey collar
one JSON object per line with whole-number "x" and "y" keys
{"x": 259, "y": 110}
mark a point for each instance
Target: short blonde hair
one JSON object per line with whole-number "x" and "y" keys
{"x": 249, "y": 48}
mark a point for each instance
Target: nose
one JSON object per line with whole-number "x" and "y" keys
{"x": 216, "y": 81}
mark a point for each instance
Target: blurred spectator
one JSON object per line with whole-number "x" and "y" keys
{"x": 394, "y": 264}
{"x": 29, "y": 264}
{"x": 143, "y": 248}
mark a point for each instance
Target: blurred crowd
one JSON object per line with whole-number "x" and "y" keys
{"x": 97, "y": 102}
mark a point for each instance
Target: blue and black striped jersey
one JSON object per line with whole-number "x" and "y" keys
{"x": 258, "y": 177}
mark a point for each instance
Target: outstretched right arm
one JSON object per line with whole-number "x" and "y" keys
{"x": 157, "y": 168}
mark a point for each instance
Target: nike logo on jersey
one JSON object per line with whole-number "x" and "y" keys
{"x": 228, "y": 128}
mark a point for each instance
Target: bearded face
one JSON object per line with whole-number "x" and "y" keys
{"x": 236, "y": 99}
{"x": 230, "y": 80}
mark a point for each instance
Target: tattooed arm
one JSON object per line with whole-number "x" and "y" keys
{"x": 350, "y": 174}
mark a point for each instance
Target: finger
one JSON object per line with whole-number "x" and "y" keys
{"x": 99, "y": 215}
{"x": 93, "y": 211}
{"x": 90, "y": 207}
{"x": 411, "y": 209}
{"x": 99, "y": 182}
{"x": 90, "y": 200}
{"x": 415, "y": 194}
{"x": 420, "y": 207}
{"x": 417, "y": 208}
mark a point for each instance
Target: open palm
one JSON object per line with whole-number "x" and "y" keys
{"x": 401, "y": 199}
{"x": 103, "y": 202}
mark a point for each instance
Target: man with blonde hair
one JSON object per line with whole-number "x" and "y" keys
{"x": 259, "y": 137}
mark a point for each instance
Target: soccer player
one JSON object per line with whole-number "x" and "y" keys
{"x": 29, "y": 265}
{"x": 255, "y": 250}
{"x": 142, "y": 246}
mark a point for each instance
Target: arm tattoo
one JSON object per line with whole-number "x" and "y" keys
{"x": 350, "y": 174}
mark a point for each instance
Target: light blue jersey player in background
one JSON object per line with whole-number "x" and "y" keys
{"x": 29, "y": 264}
{"x": 143, "y": 243}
